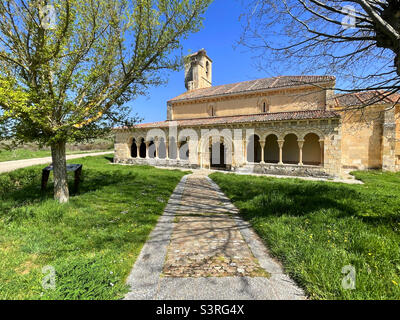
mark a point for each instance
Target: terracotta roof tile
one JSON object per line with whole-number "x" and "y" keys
{"x": 366, "y": 97}
{"x": 253, "y": 85}
{"x": 278, "y": 116}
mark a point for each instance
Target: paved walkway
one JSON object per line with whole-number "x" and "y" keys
{"x": 17, "y": 164}
{"x": 202, "y": 249}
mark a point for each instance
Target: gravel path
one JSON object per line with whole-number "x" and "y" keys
{"x": 201, "y": 249}
{"x": 17, "y": 164}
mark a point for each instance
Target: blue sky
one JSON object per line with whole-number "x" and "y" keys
{"x": 231, "y": 62}
{"x": 221, "y": 31}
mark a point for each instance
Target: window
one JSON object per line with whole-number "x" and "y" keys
{"x": 207, "y": 69}
{"x": 212, "y": 110}
{"x": 264, "y": 106}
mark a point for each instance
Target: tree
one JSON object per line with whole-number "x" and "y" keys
{"x": 358, "y": 40}
{"x": 68, "y": 68}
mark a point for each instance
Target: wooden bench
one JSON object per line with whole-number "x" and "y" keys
{"x": 77, "y": 168}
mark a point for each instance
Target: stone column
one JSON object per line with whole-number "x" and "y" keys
{"x": 167, "y": 149}
{"x": 245, "y": 151}
{"x": 138, "y": 150}
{"x": 280, "y": 144}
{"x": 321, "y": 144}
{"x": 147, "y": 149}
{"x": 157, "y": 143}
{"x": 262, "y": 144}
{"x": 300, "y": 143}
{"x": 178, "y": 147}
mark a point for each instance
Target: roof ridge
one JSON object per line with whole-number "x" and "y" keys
{"x": 252, "y": 85}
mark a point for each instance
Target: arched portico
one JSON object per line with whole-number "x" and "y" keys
{"x": 254, "y": 153}
{"x": 216, "y": 149}
{"x": 313, "y": 150}
{"x": 218, "y": 155}
{"x": 142, "y": 148}
{"x": 290, "y": 149}
{"x": 271, "y": 149}
{"x": 134, "y": 148}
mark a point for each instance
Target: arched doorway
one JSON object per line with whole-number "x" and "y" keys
{"x": 290, "y": 151}
{"x": 134, "y": 149}
{"x": 254, "y": 149}
{"x": 218, "y": 156}
{"x": 271, "y": 150}
{"x": 142, "y": 150}
{"x": 312, "y": 150}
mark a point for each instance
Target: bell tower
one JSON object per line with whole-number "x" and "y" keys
{"x": 198, "y": 70}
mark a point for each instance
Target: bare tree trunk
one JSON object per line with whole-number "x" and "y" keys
{"x": 58, "y": 155}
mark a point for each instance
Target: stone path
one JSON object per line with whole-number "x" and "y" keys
{"x": 206, "y": 240}
{"x": 7, "y": 166}
{"x": 202, "y": 249}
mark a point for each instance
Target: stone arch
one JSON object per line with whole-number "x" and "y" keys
{"x": 134, "y": 148}
{"x": 271, "y": 149}
{"x": 265, "y": 134}
{"x": 188, "y": 134}
{"x": 318, "y": 132}
{"x": 155, "y": 133}
{"x": 290, "y": 150}
{"x": 213, "y": 136}
{"x": 312, "y": 149}
{"x": 253, "y": 149}
{"x": 142, "y": 148}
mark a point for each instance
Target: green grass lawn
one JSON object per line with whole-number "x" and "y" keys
{"x": 92, "y": 242}
{"x": 317, "y": 228}
{"x": 20, "y": 154}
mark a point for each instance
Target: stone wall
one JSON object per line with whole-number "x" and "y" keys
{"x": 389, "y": 161}
{"x": 157, "y": 162}
{"x": 362, "y": 138}
{"x": 277, "y": 101}
{"x": 286, "y": 170}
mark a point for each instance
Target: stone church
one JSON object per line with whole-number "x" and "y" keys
{"x": 287, "y": 125}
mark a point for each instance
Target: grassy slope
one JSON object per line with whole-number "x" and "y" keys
{"x": 92, "y": 241}
{"x": 20, "y": 154}
{"x": 317, "y": 228}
